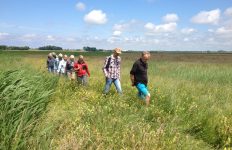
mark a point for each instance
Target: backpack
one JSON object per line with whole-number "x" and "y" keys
{"x": 50, "y": 63}
{"x": 108, "y": 64}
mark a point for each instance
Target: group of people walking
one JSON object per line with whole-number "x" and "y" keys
{"x": 67, "y": 66}
{"x": 78, "y": 70}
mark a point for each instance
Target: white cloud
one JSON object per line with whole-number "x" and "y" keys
{"x": 117, "y": 33}
{"x": 149, "y": 26}
{"x": 112, "y": 40}
{"x": 126, "y": 25}
{"x": 80, "y": 6}
{"x": 186, "y": 39}
{"x": 171, "y": 18}
{"x": 224, "y": 30}
{"x": 70, "y": 39}
{"x": 207, "y": 17}
{"x": 210, "y": 30}
{"x": 228, "y": 11}
{"x": 3, "y": 35}
{"x": 168, "y": 27}
{"x": 96, "y": 17}
{"x": 28, "y": 37}
{"x": 120, "y": 27}
{"x": 188, "y": 30}
{"x": 50, "y": 38}
{"x": 211, "y": 39}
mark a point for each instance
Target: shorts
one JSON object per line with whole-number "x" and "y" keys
{"x": 143, "y": 91}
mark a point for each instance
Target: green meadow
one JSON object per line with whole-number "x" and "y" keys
{"x": 191, "y": 104}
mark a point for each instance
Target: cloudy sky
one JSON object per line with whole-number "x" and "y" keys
{"x": 138, "y": 24}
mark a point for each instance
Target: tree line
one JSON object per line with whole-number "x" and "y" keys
{"x": 4, "y": 47}
{"x": 48, "y": 47}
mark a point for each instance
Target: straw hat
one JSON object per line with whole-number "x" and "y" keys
{"x": 71, "y": 57}
{"x": 60, "y": 55}
{"x": 118, "y": 50}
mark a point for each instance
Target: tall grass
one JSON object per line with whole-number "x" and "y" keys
{"x": 190, "y": 107}
{"x": 24, "y": 97}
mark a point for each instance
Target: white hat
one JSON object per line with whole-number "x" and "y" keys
{"x": 60, "y": 55}
{"x": 53, "y": 53}
{"x": 71, "y": 57}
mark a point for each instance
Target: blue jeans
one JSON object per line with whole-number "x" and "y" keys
{"x": 116, "y": 82}
{"x": 82, "y": 80}
{"x": 51, "y": 69}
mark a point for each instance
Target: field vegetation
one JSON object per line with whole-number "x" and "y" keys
{"x": 190, "y": 104}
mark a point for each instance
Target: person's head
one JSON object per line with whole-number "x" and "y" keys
{"x": 145, "y": 56}
{"x": 54, "y": 54}
{"x": 50, "y": 55}
{"x": 81, "y": 59}
{"x": 117, "y": 52}
{"x": 65, "y": 57}
{"x": 60, "y": 56}
{"x": 72, "y": 57}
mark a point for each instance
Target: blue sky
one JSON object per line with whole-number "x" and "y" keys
{"x": 138, "y": 24}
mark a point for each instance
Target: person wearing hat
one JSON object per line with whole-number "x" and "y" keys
{"x": 62, "y": 65}
{"x": 70, "y": 67}
{"x": 56, "y": 61}
{"x": 111, "y": 70}
{"x": 50, "y": 63}
{"x": 138, "y": 75}
{"x": 82, "y": 71}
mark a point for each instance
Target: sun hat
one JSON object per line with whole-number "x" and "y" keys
{"x": 71, "y": 57}
{"x": 118, "y": 50}
{"x": 60, "y": 55}
{"x": 50, "y": 55}
{"x": 53, "y": 53}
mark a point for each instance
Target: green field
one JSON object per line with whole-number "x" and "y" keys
{"x": 191, "y": 103}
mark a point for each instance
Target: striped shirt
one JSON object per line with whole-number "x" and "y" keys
{"x": 111, "y": 67}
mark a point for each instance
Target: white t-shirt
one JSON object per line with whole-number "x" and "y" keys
{"x": 62, "y": 66}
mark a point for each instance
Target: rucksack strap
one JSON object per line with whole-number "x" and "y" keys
{"x": 108, "y": 64}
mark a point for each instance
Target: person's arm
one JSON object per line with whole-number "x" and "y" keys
{"x": 66, "y": 66}
{"x": 87, "y": 70}
{"x": 104, "y": 67}
{"x": 132, "y": 74}
{"x": 59, "y": 66}
{"x": 47, "y": 63}
{"x": 132, "y": 77}
{"x": 76, "y": 67}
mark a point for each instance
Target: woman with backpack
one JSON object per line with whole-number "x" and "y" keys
{"x": 82, "y": 71}
{"x": 56, "y": 62}
{"x": 50, "y": 63}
